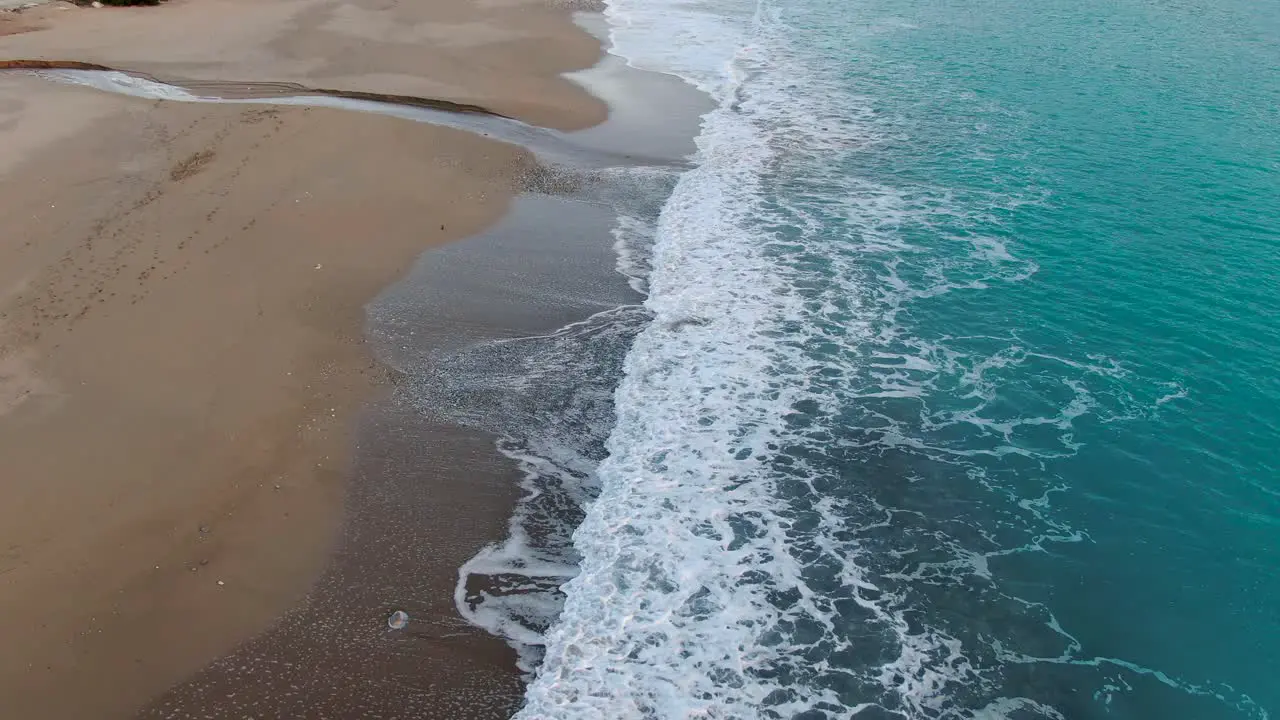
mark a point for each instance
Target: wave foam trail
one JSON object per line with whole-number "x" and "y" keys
{"x": 666, "y": 616}
{"x": 548, "y": 400}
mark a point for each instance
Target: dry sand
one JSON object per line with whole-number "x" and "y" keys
{"x": 504, "y": 54}
{"x": 181, "y": 304}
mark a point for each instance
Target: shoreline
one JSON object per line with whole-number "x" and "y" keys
{"x": 265, "y": 540}
{"x": 436, "y": 454}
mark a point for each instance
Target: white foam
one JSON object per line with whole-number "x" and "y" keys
{"x": 698, "y": 41}
{"x": 664, "y": 619}
{"x": 548, "y": 398}
{"x": 524, "y": 603}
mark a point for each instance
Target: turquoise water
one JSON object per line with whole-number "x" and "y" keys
{"x": 1122, "y": 356}
{"x": 961, "y": 395}
{"x": 1127, "y": 152}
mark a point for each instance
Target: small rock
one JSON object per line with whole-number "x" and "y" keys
{"x": 97, "y": 4}
{"x": 204, "y": 529}
{"x": 220, "y": 583}
{"x": 398, "y": 620}
{"x": 204, "y": 562}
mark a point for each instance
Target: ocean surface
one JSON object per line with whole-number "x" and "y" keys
{"x": 951, "y": 389}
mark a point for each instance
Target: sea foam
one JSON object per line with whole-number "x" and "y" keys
{"x": 685, "y": 542}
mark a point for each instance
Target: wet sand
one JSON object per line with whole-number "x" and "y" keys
{"x": 424, "y": 497}
{"x": 182, "y": 292}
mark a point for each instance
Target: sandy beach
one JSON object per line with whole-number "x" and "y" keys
{"x": 182, "y": 293}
